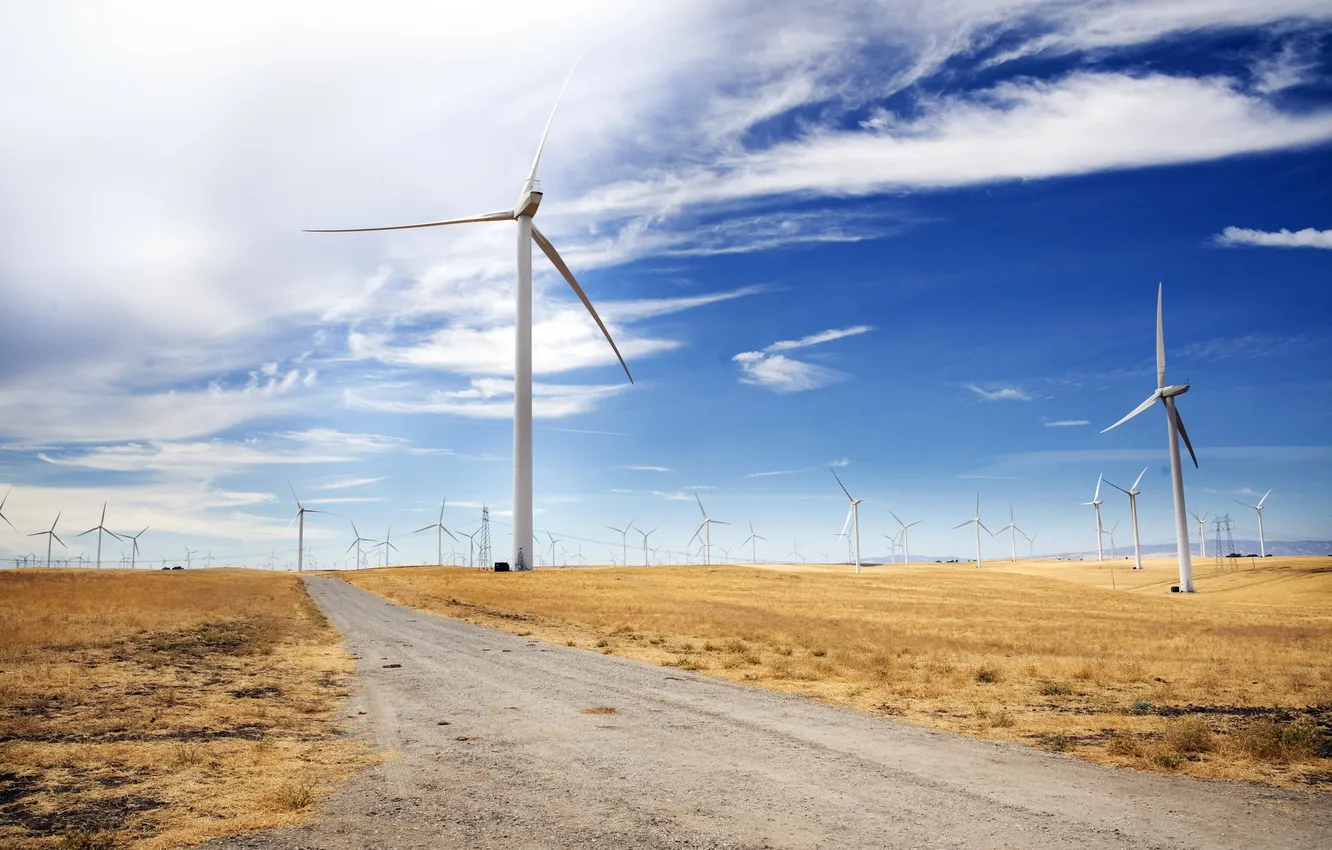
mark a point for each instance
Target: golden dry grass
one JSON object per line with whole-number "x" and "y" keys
{"x": 155, "y": 710}
{"x": 1034, "y": 652}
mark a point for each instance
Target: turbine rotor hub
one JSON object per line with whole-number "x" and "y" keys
{"x": 1178, "y": 389}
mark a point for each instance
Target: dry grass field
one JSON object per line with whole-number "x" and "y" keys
{"x": 1232, "y": 682}
{"x": 158, "y": 709}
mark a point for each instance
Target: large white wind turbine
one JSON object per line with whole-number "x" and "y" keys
{"x": 1013, "y": 531}
{"x": 853, "y": 513}
{"x": 979, "y": 525}
{"x": 50, "y": 535}
{"x": 529, "y": 199}
{"x": 301, "y": 511}
{"x": 1202, "y": 533}
{"x": 906, "y": 537}
{"x": 2, "y": 510}
{"x": 1262, "y": 542}
{"x": 1133, "y": 493}
{"x": 101, "y": 529}
{"x": 440, "y": 531}
{"x": 1096, "y": 503}
{"x": 1175, "y": 432}
{"x": 705, "y": 528}
{"x": 753, "y": 540}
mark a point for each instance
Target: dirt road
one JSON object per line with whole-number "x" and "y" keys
{"x": 684, "y": 761}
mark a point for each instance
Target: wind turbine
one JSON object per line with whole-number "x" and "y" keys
{"x": 1096, "y": 503}
{"x": 2, "y": 509}
{"x": 1013, "y": 531}
{"x": 852, "y": 513}
{"x": 1031, "y": 544}
{"x": 979, "y": 525}
{"x": 892, "y": 546}
{"x": 1174, "y": 425}
{"x": 529, "y": 199}
{"x": 796, "y": 551}
{"x": 553, "y": 540}
{"x": 906, "y": 537}
{"x": 1111, "y": 533}
{"x": 645, "y": 534}
{"x": 752, "y": 540}
{"x": 1202, "y": 533}
{"x": 134, "y": 550}
{"x": 356, "y": 544}
{"x": 1132, "y": 493}
{"x": 50, "y": 535}
{"x": 624, "y": 537}
{"x": 1262, "y": 543}
{"x": 189, "y": 555}
{"x": 100, "y": 528}
{"x": 705, "y": 528}
{"x": 388, "y": 544}
{"x": 301, "y": 511}
{"x": 440, "y": 531}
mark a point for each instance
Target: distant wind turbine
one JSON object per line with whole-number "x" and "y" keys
{"x": 853, "y": 513}
{"x": 529, "y": 199}
{"x": 388, "y": 544}
{"x": 752, "y": 540}
{"x": 1175, "y": 431}
{"x": 1202, "y": 533}
{"x": 705, "y": 528}
{"x": 440, "y": 531}
{"x": 553, "y": 540}
{"x": 134, "y": 549}
{"x": 646, "y": 535}
{"x": 979, "y": 525}
{"x": 356, "y": 544}
{"x": 796, "y": 551}
{"x": 1111, "y": 534}
{"x": 624, "y": 539}
{"x": 1096, "y": 503}
{"x": 189, "y": 556}
{"x": 301, "y": 511}
{"x": 50, "y": 535}
{"x": 101, "y": 529}
{"x": 1031, "y": 544}
{"x": 1262, "y": 542}
{"x": 1133, "y": 493}
{"x": 1013, "y": 531}
{"x": 906, "y": 537}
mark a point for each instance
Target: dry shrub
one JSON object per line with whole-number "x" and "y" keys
{"x": 1268, "y": 740}
{"x": 987, "y": 674}
{"x": 1189, "y": 735}
{"x": 1055, "y": 689}
{"x": 1123, "y": 744}
{"x": 294, "y": 796}
{"x": 1002, "y": 719}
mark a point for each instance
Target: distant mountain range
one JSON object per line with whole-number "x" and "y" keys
{"x": 1275, "y": 548}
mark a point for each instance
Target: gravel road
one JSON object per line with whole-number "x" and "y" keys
{"x": 691, "y": 762}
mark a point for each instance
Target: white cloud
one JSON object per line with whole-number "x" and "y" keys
{"x": 648, "y": 468}
{"x": 487, "y": 398}
{"x": 1001, "y": 394}
{"x": 837, "y": 462}
{"x": 1306, "y": 238}
{"x": 343, "y": 500}
{"x": 346, "y": 483}
{"x": 783, "y": 374}
{"x": 820, "y": 337}
{"x": 1066, "y": 423}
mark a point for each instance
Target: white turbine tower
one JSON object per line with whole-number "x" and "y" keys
{"x": 1133, "y": 493}
{"x": 753, "y": 540}
{"x": 1202, "y": 533}
{"x": 440, "y": 531}
{"x": 1175, "y": 431}
{"x": 624, "y": 539}
{"x": 301, "y": 511}
{"x": 979, "y": 525}
{"x": 1013, "y": 531}
{"x": 100, "y": 528}
{"x": 529, "y": 199}
{"x": 50, "y": 535}
{"x": 906, "y": 537}
{"x": 705, "y": 528}
{"x": 853, "y": 513}
{"x": 1262, "y": 542}
{"x": 1096, "y": 503}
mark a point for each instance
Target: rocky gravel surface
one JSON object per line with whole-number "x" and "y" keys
{"x": 505, "y": 742}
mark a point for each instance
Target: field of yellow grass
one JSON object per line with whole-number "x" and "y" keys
{"x": 1232, "y": 682}
{"x": 158, "y": 709}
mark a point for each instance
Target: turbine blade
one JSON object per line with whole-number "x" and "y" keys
{"x": 58, "y": 540}
{"x": 1160, "y": 340}
{"x": 419, "y": 530}
{"x": 1264, "y": 498}
{"x": 960, "y": 524}
{"x": 352, "y": 546}
{"x": 700, "y": 506}
{"x": 1139, "y": 479}
{"x": 840, "y": 484}
{"x": 450, "y": 534}
{"x": 847, "y": 521}
{"x": 899, "y": 521}
{"x": 549, "y": 249}
{"x": 1139, "y": 409}
{"x": 718, "y": 522}
{"x": 698, "y": 532}
{"x": 1096, "y": 498}
{"x": 1117, "y": 487}
{"x": 531, "y": 175}
{"x": 498, "y": 215}
{"x": 11, "y": 525}
{"x": 982, "y": 525}
{"x": 1179, "y": 423}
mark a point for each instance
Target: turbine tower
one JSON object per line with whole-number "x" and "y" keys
{"x": 301, "y": 511}
{"x": 752, "y": 540}
{"x": 624, "y": 539}
{"x": 1202, "y": 533}
{"x": 1096, "y": 503}
{"x": 440, "y": 531}
{"x": 1013, "y": 531}
{"x": 705, "y": 528}
{"x": 50, "y": 535}
{"x": 1133, "y": 493}
{"x": 906, "y": 537}
{"x": 853, "y": 513}
{"x": 1262, "y": 542}
{"x": 979, "y": 525}
{"x": 100, "y": 528}
{"x": 522, "y": 212}
{"x": 1175, "y": 432}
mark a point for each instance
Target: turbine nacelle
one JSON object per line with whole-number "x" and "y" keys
{"x": 528, "y": 199}
{"x": 1178, "y": 389}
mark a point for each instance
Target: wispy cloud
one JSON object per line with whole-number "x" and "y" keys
{"x": 1249, "y": 345}
{"x": 837, "y": 462}
{"x": 1306, "y": 238}
{"x": 775, "y": 371}
{"x": 346, "y": 483}
{"x": 1067, "y": 423}
{"x": 343, "y": 500}
{"x": 648, "y": 468}
{"x": 1000, "y": 394}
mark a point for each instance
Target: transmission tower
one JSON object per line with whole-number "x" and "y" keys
{"x": 1225, "y": 539}
{"x": 485, "y": 537}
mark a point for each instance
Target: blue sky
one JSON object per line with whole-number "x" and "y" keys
{"x": 921, "y": 245}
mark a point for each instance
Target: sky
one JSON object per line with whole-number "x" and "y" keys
{"x": 919, "y": 243}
